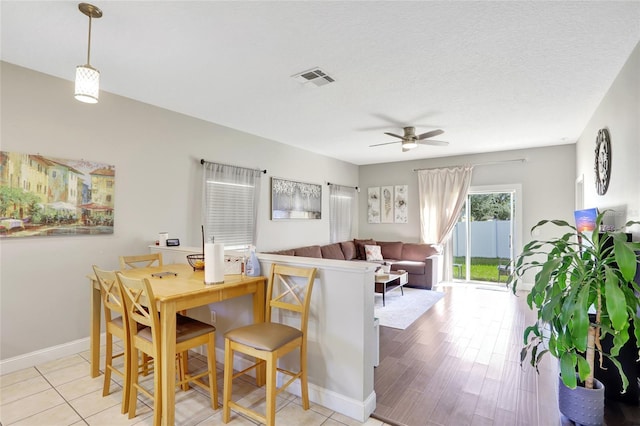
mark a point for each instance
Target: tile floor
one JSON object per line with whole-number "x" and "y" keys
{"x": 62, "y": 393}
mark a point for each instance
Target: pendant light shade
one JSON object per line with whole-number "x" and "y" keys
{"x": 87, "y": 84}
{"x": 88, "y": 78}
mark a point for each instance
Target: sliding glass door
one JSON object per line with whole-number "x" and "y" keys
{"x": 483, "y": 239}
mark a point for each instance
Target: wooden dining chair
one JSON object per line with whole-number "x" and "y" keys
{"x": 140, "y": 261}
{"x": 115, "y": 325}
{"x": 289, "y": 289}
{"x": 144, "y": 331}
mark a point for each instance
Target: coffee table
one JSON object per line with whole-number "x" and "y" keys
{"x": 384, "y": 283}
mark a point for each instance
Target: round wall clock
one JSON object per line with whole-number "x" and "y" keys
{"x": 603, "y": 161}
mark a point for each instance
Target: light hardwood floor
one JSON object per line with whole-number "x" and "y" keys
{"x": 459, "y": 364}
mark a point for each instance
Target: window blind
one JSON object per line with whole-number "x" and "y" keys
{"x": 230, "y": 204}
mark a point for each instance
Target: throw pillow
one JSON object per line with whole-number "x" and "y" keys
{"x": 360, "y": 247}
{"x": 373, "y": 253}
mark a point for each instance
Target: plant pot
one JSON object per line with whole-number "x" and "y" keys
{"x": 580, "y": 405}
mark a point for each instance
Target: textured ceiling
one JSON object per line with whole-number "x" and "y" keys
{"x": 493, "y": 75}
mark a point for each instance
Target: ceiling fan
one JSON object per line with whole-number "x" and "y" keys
{"x": 410, "y": 140}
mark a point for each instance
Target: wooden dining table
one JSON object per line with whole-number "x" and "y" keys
{"x": 176, "y": 293}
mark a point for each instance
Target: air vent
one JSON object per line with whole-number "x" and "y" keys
{"x": 315, "y": 76}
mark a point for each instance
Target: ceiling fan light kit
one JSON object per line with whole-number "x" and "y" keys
{"x": 87, "y": 86}
{"x": 410, "y": 140}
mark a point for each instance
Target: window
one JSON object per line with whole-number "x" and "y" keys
{"x": 230, "y": 204}
{"x": 342, "y": 206}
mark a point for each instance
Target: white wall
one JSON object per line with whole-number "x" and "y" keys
{"x": 619, "y": 112}
{"x": 546, "y": 177}
{"x": 44, "y": 291}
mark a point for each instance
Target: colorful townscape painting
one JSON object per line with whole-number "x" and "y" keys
{"x": 45, "y": 196}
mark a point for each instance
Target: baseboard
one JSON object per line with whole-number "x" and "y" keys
{"x": 45, "y": 355}
{"x": 358, "y": 410}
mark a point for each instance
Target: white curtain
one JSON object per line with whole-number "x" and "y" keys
{"x": 342, "y": 209}
{"x": 230, "y": 206}
{"x": 442, "y": 194}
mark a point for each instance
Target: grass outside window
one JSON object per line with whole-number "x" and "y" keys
{"x": 482, "y": 268}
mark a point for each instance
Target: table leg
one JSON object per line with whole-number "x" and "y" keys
{"x": 258, "y": 316}
{"x": 384, "y": 291}
{"x": 167, "y": 362}
{"x": 94, "y": 334}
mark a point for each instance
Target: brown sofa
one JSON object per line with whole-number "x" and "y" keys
{"x": 419, "y": 260}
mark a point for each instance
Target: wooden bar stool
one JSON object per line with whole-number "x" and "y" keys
{"x": 144, "y": 330}
{"x": 115, "y": 325}
{"x": 289, "y": 289}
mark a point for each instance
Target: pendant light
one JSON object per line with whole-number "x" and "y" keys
{"x": 87, "y": 77}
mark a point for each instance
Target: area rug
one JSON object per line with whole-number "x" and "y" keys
{"x": 401, "y": 311}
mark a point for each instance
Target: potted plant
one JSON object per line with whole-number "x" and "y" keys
{"x": 578, "y": 274}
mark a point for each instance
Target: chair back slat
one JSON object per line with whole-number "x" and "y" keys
{"x": 289, "y": 288}
{"x": 140, "y": 261}
{"x": 140, "y": 304}
{"x": 109, "y": 292}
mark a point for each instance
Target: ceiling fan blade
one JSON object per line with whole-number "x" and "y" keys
{"x": 405, "y": 149}
{"x": 430, "y": 134}
{"x": 385, "y": 143}
{"x": 433, "y": 142}
{"x": 393, "y": 134}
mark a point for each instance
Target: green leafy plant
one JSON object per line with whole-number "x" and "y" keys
{"x": 577, "y": 274}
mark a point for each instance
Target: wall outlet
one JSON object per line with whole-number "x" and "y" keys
{"x": 213, "y": 317}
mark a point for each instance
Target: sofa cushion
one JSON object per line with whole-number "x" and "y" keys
{"x": 332, "y": 251}
{"x": 360, "y": 248}
{"x": 289, "y": 252}
{"x": 309, "y": 251}
{"x": 411, "y": 266}
{"x": 348, "y": 250}
{"x": 373, "y": 253}
{"x": 417, "y": 252}
{"x": 391, "y": 249}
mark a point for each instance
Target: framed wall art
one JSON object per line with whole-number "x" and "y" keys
{"x": 46, "y": 196}
{"x": 295, "y": 200}
{"x": 386, "y": 204}
{"x": 373, "y": 204}
{"x": 400, "y": 203}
